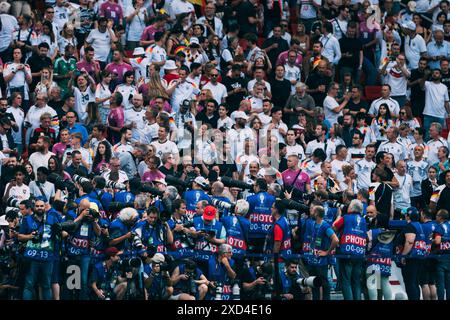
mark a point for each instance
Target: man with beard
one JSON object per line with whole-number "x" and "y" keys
{"x": 417, "y": 94}
{"x": 348, "y": 129}
{"x": 38, "y": 231}
{"x": 7, "y": 173}
{"x": 41, "y": 156}
{"x": 436, "y": 99}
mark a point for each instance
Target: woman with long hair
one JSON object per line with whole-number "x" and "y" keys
{"x": 406, "y": 117}
{"x": 127, "y": 89}
{"x": 101, "y": 158}
{"x": 381, "y": 123}
{"x": 49, "y": 37}
{"x": 205, "y": 95}
{"x": 156, "y": 87}
{"x": 214, "y": 49}
{"x": 68, "y": 37}
{"x": 55, "y": 166}
{"x": 103, "y": 95}
{"x": 303, "y": 39}
{"x": 116, "y": 118}
{"x": 44, "y": 86}
{"x": 426, "y": 35}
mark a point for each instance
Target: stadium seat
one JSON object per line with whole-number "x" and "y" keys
{"x": 372, "y": 92}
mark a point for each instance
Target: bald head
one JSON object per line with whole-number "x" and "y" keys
{"x": 84, "y": 204}
{"x": 371, "y": 211}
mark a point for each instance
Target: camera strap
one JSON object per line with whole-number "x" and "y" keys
{"x": 41, "y": 190}
{"x": 296, "y": 177}
{"x": 382, "y": 193}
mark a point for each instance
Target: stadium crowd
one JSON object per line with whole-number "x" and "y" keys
{"x": 243, "y": 149}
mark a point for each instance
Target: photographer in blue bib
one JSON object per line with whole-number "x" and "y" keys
{"x": 38, "y": 231}
{"x": 80, "y": 240}
{"x": 413, "y": 251}
{"x": 352, "y": 228}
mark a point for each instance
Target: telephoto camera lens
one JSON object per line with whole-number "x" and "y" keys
{"x": 115, "y": 185}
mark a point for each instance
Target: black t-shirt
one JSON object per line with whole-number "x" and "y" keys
{"x": 274, "y": 53}
{"x": 444, "y": 200}
{"x": 36, "y": 64}
{"x": 383, "y": 201}
{"x": 446, "y": 79}
{"x": 234, "y": 100}
{"x": 167, "y": 171}
{"x": 205, "y": 119}
{"x": 356, "y": 107}
{"x": 243, "y": 12}
{"x": 281, "y": 91}
{"x": 416, "y": 91}
{"x": 313, "y": 82}
{"x": 352, "y": 46}
{"x": 227, "y": 169}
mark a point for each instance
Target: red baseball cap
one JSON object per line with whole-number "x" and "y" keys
{"x": 111, "y": 251}
{"x": 209, "y": 213}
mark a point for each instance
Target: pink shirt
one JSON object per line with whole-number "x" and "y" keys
{"x": 150, "y": 176}
{"x": 283, "y": 58}
{"x": 149, "y": 33}
{"x": 301, "y": 181}
{"x": 59, "y": 149}
{"x": 111, "y": 11}
{"x": 119, "y": 69}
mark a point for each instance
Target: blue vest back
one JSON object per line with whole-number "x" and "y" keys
{"x": 236, "y": 227}
{"x": 260, "y": 214}
{"x": 353, "y": 239}
{"x": 429, "y": 228}
{"x": 419, "y": 249}
{"x": 380, "y": 256}
{"x": 444, "y": 231}
{"x": 201, "y": 245}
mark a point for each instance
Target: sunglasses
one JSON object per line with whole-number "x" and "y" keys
{"x": 214, "y": 75}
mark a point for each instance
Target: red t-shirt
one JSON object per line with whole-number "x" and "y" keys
{"x": 278, "y": 233}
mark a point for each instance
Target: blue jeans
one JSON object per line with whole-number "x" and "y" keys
{"x": 39, "y": 270}
{"x": 350, "y": 274}
{"x": 428, "y": 120}
{"x": 83, "y": 262}
{"x": 443, "y": 279}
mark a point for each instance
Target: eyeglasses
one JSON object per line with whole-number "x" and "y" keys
{"x": 50, "y": 12}
{"x": 214, "y": 75}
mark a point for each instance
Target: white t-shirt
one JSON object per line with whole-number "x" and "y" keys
{"x": 9, "y": 25}
{"x": 141, "y": 68}
{"x": 137, "y": 117}
{"x": 186, "y": 90}
{"x": 180, "y": 6}
{"x": 166, "y": 147}
{"x": 53, "y": 45}
{"x": 297, "y": 150}
{"x": 37, "y": 159}
{"x": 363, "y": 169}
{"x": 396, "y": 79}
{"x": 413, "y": 48}
{"x": 396, "y": 148}
{"x": 19, "y": 117}
{"x": 433, "y": 147}
{"x": 102, "y": 92}
{"x": 252, "y": 83}
{"x": 219, "y": 91}
{"x": 308, "y": 11}
{"x": 336, "y": 168}
{"x": 292, "y": 73}
{"x": 19, "y": 78}
{"x": 435, "y": 97}
{"x": 127, "y": 92}
{"x": 329, "y": 104}
{"x": 119, "y": 147}
{"x": 394, "y": 108}
{"x": 137, "y": 24}
{"x": 81, "y": 101}
{"x": 47, "y": 187}
{"x": 402, "y": 195}
{"x": 101, "y": 42}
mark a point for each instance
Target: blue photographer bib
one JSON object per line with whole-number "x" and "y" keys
{"x": 260, "y": 214}
{"x": 44, "y": 248}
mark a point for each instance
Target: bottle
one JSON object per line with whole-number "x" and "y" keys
{"x": 219, "y": 291}
{"x": 236, "y": 291}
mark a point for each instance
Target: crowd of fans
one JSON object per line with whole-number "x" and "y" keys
{"x": 238, "y": 149}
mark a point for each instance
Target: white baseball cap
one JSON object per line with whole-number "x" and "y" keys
{"x": 170, "y": 65}
{"x": 240, "y": 114}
